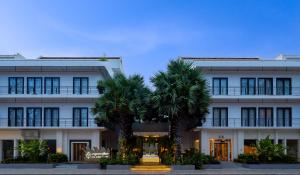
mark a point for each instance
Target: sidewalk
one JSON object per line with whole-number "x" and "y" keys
{"x": 66, "y": 171}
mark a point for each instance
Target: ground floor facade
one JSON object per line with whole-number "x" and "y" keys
{"x": 227, "y": 144}
{"x": 223, "y": 144}
{"x": 72, "y": 142}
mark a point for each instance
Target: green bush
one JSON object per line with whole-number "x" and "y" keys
{"x": 57, "y": 158}
{"x": 167, "y": 159}
{"x": 247, "y": 158}
{"x": 34, "y": 150}
{"x": 103, "y": 162}
{"x": 17, "y": 160}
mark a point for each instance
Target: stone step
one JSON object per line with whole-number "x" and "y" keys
{"x": 151, "y": 168}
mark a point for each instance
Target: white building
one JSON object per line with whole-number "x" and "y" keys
{"x": 50, "y": 98}
{"x": 251, "y": 99}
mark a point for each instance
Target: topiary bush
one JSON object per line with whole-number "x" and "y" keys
{"x": 57, "y": 158}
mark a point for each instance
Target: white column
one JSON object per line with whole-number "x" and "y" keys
{"x": 285, "y": 145}
{"x": 95, "y": 139}
{"x": 235, "y": 144}
{"x": 16, "y": 144}
{"x": 59, "y": 141}
{"x": 204, "y": 142}
{"x": 240, "y": 140}
{"x": 1, "y": 150}
{"x": 276, "y": 137}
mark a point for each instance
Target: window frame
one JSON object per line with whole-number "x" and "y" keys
{"x": 265, "y": 117}
{"x": 248, "y": 116}
{"x": 80, "y": 87}
{"x": 51, "y": 117}
{"x": 34, "y": 85}
{"x": 284, "y": 116}
{"x": 220, "y": 116}
{"x": 283, "y": 88}
{"x": 248, "y": 85}
{"x": 34, "y": 116}
{"x": 9, "y": 124}
{"x": 265, "y": 88}
{"x": 219, "y": 85}
{"x": 80, "y": 117}
{"x": 51, "y": 87}
{"x": 16, "y": 88}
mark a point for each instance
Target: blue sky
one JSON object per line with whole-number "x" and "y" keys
{"x": 148, "y": 33}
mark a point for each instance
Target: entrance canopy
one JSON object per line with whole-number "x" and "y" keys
{"x": 150, "y": 129}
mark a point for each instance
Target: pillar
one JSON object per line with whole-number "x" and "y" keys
{"x": 59, "y": 141}
{"x": 276, "y": 137}
{"x": 95, "y": 139}
{"x": 240, "y": 140}
{"x": 204, "y": 142}
{"x": 16, "y": 144}
{"x": 285, "y": 145}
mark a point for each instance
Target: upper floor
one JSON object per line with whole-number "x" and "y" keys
{"x": 254, "y": 79}
{"x": 53, "y": 78}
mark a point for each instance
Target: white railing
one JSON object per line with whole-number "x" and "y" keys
{"x": 238, "y": 91}
{"x": 237, "y": 123}
{"x": 63, "y": 123}
{"x": 62, "y": 90}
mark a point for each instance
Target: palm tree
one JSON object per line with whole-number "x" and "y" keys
{"x": 123, "y": 102}
{"x": 182, "y": 95}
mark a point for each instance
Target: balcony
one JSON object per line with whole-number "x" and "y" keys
{"x": 261, "y": 94}
{"x": 235, "y": 123}
{"x": 63, "y": 92}
{"x": 64, "y": 123}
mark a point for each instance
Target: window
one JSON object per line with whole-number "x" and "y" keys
{"x": 34, "y": 117}
{"x": 265, "y": 116}
{"x": 220, "y": 86}
{"x": 15, "y": 116}
{"x": 283, "y": 86}
{"x": 34, "y": 85}
{"x": 51, "y": 116}
{"x": 52, "y": 85}
{"x": 220, "y": 117}
{"x": 248, "y": 116}
{"x": 248, "y": 86}
{"x": 16, "y": 85}
{"x": 80, "y": 116}
{"x": 284, "y": 117}
{"x": 265, "y": 86}
{"x": 80, "y": 85}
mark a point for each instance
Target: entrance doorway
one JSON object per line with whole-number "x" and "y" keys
{"x": 220, "y": 149}
{"x": 78, "y": 150}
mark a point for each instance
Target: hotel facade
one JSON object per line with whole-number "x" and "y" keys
{"x": 251, "y": 99}
{"x": 50, "y": 98}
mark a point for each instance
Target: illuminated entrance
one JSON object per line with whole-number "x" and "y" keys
{"x": 220, "y": 149}
{"x": 150, "y": 150}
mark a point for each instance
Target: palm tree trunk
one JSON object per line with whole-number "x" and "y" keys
{"x": 175, "y": 137}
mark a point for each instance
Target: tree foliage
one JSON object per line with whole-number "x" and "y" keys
{"x": 182, "y": 95}
{"x": 123, "y": 102}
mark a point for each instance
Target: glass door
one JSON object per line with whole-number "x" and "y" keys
{"x": 78, "y": 151}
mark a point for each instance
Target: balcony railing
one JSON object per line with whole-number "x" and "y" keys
{"x": 62, "y": 90}
{"x": 63, "y": 123}
{"x": 238, "y": 91}
{"x": 237, "y": 123}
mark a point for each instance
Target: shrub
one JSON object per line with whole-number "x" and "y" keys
{"x": 247, "y": 158}
{"x": 269, "y": 152}
{"x": 57, "y": 158}
{"x": 167, "y": 158}
{"x": 103, "y": 162}
{"x": 34, "y": 150}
